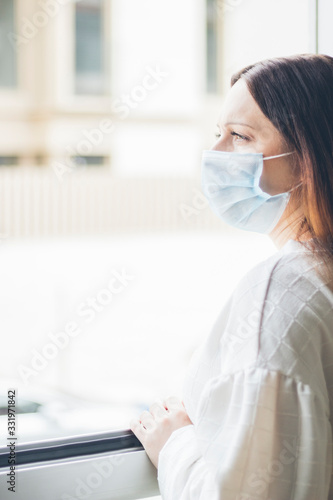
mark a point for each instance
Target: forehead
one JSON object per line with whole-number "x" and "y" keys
{"x": 240, "y": 107}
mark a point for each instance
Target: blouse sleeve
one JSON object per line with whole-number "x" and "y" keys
{"x": 258, "y": 434}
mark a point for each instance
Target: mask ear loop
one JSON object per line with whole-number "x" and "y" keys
{"x": 279, "y": 156}
{"x": 297, "y": 185}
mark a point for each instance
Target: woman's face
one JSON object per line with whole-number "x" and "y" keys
{"x": 243, "y": 128}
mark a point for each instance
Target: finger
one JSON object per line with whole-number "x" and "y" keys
{"x": 173, "y": 403}
{"x": 147, "y": 420}
{"x": 137, "y": 429}
{"x": 158, "y": 410}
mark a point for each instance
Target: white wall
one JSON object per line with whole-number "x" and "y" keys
{"x": 167, "y": 34}
{"x": 260, "y": 29}
{"x": 171, "y": 36}
{"x": 325, "y": 16}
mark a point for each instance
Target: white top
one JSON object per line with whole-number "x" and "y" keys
{"x": 259, "y": 392}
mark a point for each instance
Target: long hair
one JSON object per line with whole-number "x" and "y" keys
{"x": 296, "y": 94}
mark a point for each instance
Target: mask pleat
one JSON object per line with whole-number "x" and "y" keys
{"x": 230, "y": 182}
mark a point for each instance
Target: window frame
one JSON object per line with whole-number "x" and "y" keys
{"x": 111, "y": 465}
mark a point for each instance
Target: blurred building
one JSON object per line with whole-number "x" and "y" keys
{"x": 82, "y": 79}
{"x": 106, "y": 105}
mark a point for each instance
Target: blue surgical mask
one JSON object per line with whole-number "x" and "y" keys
{"x": 230, "y": 182}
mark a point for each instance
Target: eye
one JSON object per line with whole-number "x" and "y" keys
{"x": 239, "y": 136}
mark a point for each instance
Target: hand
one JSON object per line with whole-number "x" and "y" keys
{"x": 154, "y": 427}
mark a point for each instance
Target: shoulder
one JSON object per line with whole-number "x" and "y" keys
{"x": 257, "y": 279}
{"x": 276, "y": 273}
{"x": 297, "y": 318}
{"x": 292, "y": 258}
{"x": 291, "y": 270}
{"x": 237, "y": 330}
{"x": 294, "y": 285}
{"x": 274, "y": 309}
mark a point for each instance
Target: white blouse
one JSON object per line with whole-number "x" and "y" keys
{"x": 259, "y": 392}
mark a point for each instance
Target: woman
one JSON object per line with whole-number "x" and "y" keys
{"x": 255, "y": 418}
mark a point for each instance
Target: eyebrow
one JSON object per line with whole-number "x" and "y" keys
{"x": 236, "y": 123}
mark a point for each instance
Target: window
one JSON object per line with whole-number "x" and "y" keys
{"x": 211, "y": 46}
{"x": 89, "y": 160}
{"x": 89, "y": 47}
{"x": 8, "y": 161}
{"x": 103, "y": 466}
{"x": 8, "y": 76}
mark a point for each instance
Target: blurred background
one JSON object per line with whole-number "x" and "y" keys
{"x": 113, "y": 268}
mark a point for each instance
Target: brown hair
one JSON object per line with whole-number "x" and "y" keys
{"x": 296, "y": 94}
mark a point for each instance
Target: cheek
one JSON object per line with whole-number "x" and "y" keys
{"x": 268, "y": 139}
{"x": 276, "y": 176}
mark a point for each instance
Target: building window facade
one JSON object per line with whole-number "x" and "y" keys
{"x": 8, "y": 73}
{"x": 89, "y": 48}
